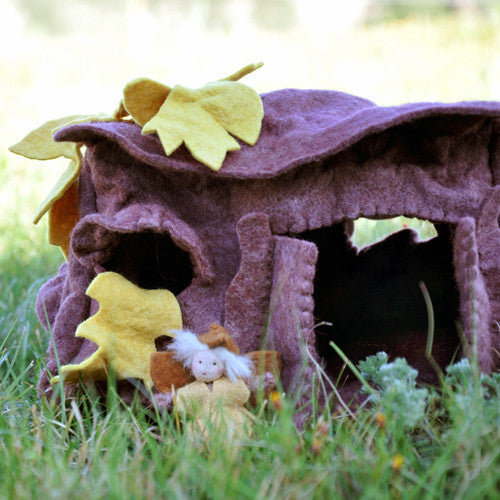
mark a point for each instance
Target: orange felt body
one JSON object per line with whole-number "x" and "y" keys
{"x": 167, "y": 372}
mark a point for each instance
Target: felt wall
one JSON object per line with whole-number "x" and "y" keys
{"x": 240, "y": 246}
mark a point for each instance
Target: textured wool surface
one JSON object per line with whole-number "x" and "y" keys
{"x": 217, "y": 336}
{"x": 168, "y": 373}
{"x": 125, "y": 328}
{"x": 216, "y": 409}
{"x": 203, "y": 120}
{"x": 62, "y": 201}
{"x": 143, "y": 98}
{"x": 250, "y": 290}
{"x": 63, "y": 216}
{"x": 266, "y": 369}
{"x": 261, "y": 247}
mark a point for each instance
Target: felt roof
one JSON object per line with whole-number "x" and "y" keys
{"x": 299, "y": 127}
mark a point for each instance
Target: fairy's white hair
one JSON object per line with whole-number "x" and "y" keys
{"x": 186, "y": 344}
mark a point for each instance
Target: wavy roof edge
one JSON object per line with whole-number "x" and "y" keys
{"x": 299, "y": 127}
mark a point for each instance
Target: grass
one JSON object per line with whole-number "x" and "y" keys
{"x": 84, "y": 449}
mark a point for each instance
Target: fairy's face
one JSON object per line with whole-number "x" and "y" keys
{"x": 206, "y": 366}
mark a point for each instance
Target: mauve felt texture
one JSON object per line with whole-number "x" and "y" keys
{"x": 248, "y": 294}
{"x": 260, "y": 246}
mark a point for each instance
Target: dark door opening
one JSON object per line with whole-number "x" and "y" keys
{"x": 373, "y": 301}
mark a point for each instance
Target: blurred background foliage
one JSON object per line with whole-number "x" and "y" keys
{"x": 60, "y": 57}
{"x": 48, "y": 15}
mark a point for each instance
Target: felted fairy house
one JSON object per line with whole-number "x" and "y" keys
{"x": 262, "y": 245}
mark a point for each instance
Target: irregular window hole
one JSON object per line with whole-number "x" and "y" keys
{"x": 369, "y": 231}
{"x": 152, "y": 261}
{"x": 372, "y": 298}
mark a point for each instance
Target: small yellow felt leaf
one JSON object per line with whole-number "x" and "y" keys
{"x": 203, "y": 119}
{"x": 63, "y": 216}
{"x": 64, "y": 182}
{"x": 125, "y": 328}
{"x": 39, "y": 145}
{"x": 142, "y": 98}
{"x": 249, "y": 68}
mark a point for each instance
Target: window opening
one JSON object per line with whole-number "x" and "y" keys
{"x": 369, "y": 231}
{"x": 152, "y": 261}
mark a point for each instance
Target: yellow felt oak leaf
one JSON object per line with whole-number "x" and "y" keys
{"x": 143, "y": 97}
{"x": 125, "y": 328}
{"x": 204, "y": 119}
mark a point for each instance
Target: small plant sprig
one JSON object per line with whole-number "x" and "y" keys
{"x": 466, "y": 387}
{"x": 395, "y": 389}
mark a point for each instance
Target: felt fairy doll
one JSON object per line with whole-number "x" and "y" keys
{"x": 214, "y": 402}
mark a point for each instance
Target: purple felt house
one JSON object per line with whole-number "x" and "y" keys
{"x": 263, "y": 245}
